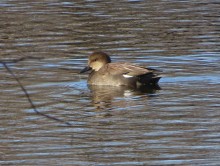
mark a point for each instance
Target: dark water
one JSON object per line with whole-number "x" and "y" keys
{"x": 80, "y": 125}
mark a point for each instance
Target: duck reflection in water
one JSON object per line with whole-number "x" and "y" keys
{"x": 109, "y": 96}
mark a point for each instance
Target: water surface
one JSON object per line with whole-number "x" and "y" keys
{"x": 80, "y": 125}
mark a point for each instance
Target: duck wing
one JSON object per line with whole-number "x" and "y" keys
{"x": 126, "y": 69}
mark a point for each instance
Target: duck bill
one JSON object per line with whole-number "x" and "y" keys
{"x": 87, "y": 68}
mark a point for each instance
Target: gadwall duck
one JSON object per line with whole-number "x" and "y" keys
{"x": 118, "y": 74}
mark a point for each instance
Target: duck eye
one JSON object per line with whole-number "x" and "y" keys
{"x": 95, "y": 60}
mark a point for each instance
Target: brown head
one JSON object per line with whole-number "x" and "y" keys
{"x": 96, "y": 61}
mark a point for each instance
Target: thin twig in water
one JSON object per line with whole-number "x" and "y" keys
{"x": 20, "y": 59}
{"x": 28, "y": 96}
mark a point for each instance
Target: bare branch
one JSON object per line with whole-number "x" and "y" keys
{"x": 25, "y": 91}
{"x": 20, "y": 59}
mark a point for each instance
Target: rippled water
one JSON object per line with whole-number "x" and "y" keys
{"x": 80, "y": 125}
